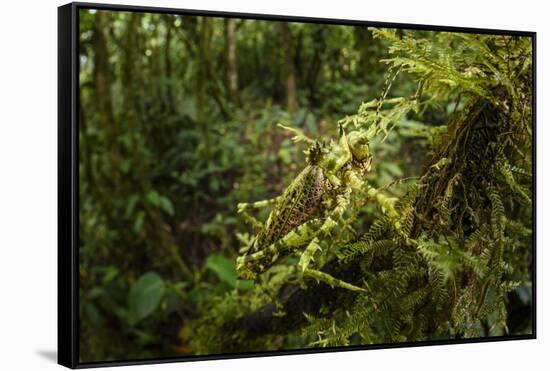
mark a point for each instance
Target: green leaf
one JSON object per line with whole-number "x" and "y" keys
{"x": 161, "y": 202}
{"x": 153, "y": 197}
{"x": 284, "y": 155}
{"x": 138, "y": 224}
{"x": 93, "y": 314}
{"x": 95, "y": 292}
{"x": 109, "y": 273}
{"x": 125, "y": 166}
{"x": 144, "y": 297}
{"x": 299, "y": 117}
{"x": 311, "y": 123}
{"x": 166, "y": 205}
{"x": 244, "y": 284}
{"x": 132, "y": 202}
{"x": 224, "y": 268}
{"x": 393, "y": 169}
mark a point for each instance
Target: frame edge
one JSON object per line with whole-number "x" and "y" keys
{"x": 67, "y": 311}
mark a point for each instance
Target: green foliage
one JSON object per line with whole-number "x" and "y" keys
{"x": 433, "y": 264}
{"x": 449, "y": 275}
{"x": 144, "y": 297}
{"x": 161, "y": 202}
{"x": 225, "y": 270}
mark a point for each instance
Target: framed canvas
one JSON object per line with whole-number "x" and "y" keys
{"x": 235, "y": 185}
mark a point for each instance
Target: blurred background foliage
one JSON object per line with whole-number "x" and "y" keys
{"x": 178, "y": 122}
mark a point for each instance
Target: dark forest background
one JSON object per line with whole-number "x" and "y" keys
{"x": 178, "y": 120}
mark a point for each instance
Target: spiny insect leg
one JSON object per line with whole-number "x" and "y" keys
{"x": 258, "y": 204}
{"x": 255, "y": 223}
{"x": 295, "y": 238}
{"x": 243, "y": 208}
{"x": 331, "y": 281}
{"x": 342, "y": 201}
{"x": 309, "y": 252}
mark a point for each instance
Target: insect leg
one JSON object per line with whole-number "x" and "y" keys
{"x": 243, "y": 210}
{"x": 331, "y": 281}
{"x": 250, "y": 265}
{"x": 309, "y": 252}
{"x": 243, "y": 206}
{"x": 342, "y": 201}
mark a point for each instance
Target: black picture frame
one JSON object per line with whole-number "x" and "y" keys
{"x": 68, "y": 186}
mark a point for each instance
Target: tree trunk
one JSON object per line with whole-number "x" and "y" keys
{"x": 232, "y": 73}
{"x": 316, "y": 64}
{"x": 168, "y": 65}
{"x": 205, "y": 32}
{"x": 103, "y": 100}
{"x": 288, "y": 67}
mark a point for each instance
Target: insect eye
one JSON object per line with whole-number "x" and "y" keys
{"x": 359, "y": 146}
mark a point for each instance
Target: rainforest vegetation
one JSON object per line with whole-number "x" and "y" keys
{"x": 253, "y": 185}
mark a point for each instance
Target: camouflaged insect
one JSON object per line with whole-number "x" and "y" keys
{"x": 310, "y": 207}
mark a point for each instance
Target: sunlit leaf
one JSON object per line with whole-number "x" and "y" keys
{"x": 144, "y": 297}
{"x": 223, "y": 267}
